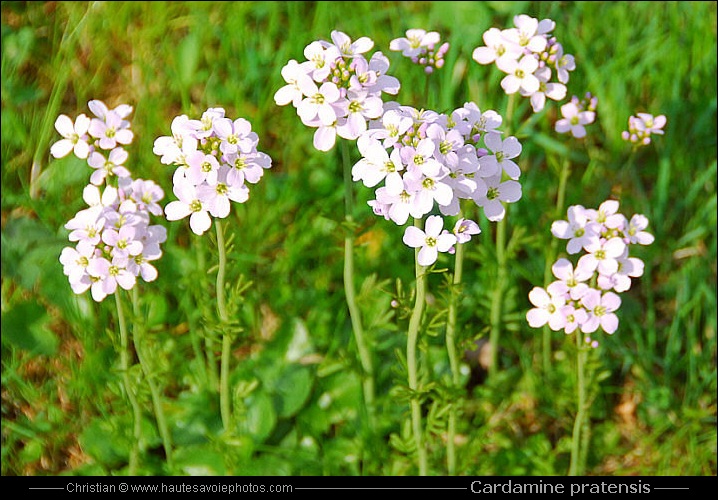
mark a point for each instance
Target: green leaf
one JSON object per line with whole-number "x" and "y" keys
{"x": 157, "y": 309}
{"x": 25, "y": 326}
{"x": 195, "y": 417}
{"x": 261, "y": 417}
{"x": 188, "y": 59}
{"x": 199, "y": 460}
{"x": 102, "y": 442}
{"x": 65, "y": 174}
{"x": 292, "y": 390}
{"x": 30, "y": 251}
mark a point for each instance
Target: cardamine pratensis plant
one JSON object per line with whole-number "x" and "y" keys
{"x": 115, "y": 240}
{"x": 216, "y": 160}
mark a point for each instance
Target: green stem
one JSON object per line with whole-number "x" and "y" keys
{"x": 125, "y": 367}
{"x": 224, "y": 400}
{"x": 427, "y": 90}
{"x": 147, "y": 370}
{"x": 453, "y": 358}
{"x": 208, "y": 356}
{"x": 411, "y": 361}
{"x": 498, "y": 296}
{"x": 576, "y": 467}
{"x": 365, "y": 355}
{"x": 509, "y": 114}
{"x": 560, "y": 200}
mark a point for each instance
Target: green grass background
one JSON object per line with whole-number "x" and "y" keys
{"x": 63, "y": 411}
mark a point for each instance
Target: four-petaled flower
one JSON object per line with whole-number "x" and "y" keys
{"x": 430, "y": 241}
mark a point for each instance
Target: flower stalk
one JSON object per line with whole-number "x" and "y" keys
{"x": 411, "y": 359}
{"x": 551, "y": 257}
{"x": 499, "y": 288}
{"x": 224, "y": 399}
{"x": 365, "y": 356}
{"x": 129, "y": 391}
{"x": 576, "y": 467}
{"x": 453, "y": 357}
{"x": 148, "y": 371}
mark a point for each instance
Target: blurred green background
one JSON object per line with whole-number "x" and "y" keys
{"x": 63, "y": 411}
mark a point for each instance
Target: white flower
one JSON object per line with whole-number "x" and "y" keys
{"x": 217, "y": 197}
{"x": 106, "y": 275}
{"x": 358, "y": 107}
{"x": 520, "y": 75}
{"x": 415, "y": 39}
{"x": 318, "y": 103}
{"x": 497, "y": 49}
{"x": 555, "y": 91}
{"x": 293, "y": 73}
{"x": 346, "y": 47}
{"x": 74, "y": 137}
{"x": 377, "y": 164}
{"x": 75, "y": 262}
{"x": 430, "y": 242}
{"x": 189, "y": 204}
{"x": 529, "y": 33}
{"x": 564, "y": 64}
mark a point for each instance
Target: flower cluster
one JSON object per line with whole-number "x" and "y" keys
{"x": 530, "y": 57}
{"x": 586, "y": 297}
{"x": 641, "y": 126}
{"x": 576, "y": 115}
{"x": 216, "y": 159}
{"x": 115, "y": 242}
{"x": 89, "y": 138}
{"x": 336, "y": 90}
{"x": 426, "y": 159}
{"x": 421, "y": 47}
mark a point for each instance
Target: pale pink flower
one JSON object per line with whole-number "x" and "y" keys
{"x": 497, "y": 193}
{"x": 111, "y": 131}
{"x": 602, "y": 255}
{"x": 574, "y": 120}
{"x": 578, "y": 230}
{"x": 636, "y": 233}
{"x": 107, "y": 275}
{"x": 107, "y": 167}
{"x": 501, "y": 157}
{"x": 547, "y": 308}
{"x": 317, "y": 106}
{"x": 572, "y": 281}
{"x": 574, "y": 317}
{"x": 601, "y": 311}
{"x": 464, "y": 229}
